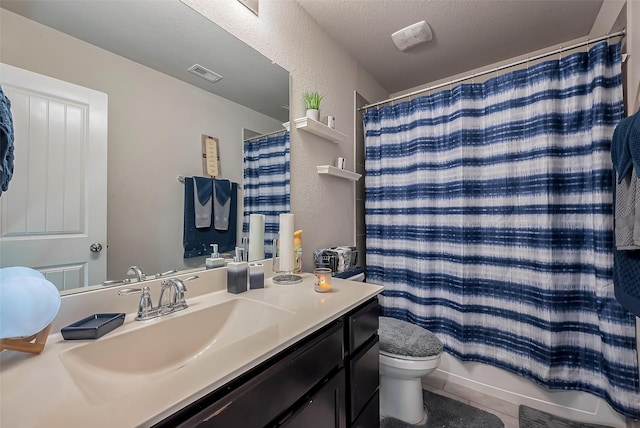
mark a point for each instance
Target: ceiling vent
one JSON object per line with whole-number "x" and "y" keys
{"x": 205, "y": 73}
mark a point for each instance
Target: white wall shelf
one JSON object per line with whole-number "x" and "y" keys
{"x": 313, "y": 126}
{"x": 337, "y": 172}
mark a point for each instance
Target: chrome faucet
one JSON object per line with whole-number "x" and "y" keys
{"x": 135, "y": 270}
{"x": 176, "y": 300}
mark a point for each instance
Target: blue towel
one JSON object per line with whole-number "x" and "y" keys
{"x": 223, "y": 190}
{"x": 197, "y": 242}
{"x": 221, "y": 209}
{"x": 28, "y": 302}
{"x": 6, "y": 142}
{"x": 203, "y": 188}
{"x": 626, "y": 279}
{"x": 625, "y": 146}
{"x": 626, "y": 275}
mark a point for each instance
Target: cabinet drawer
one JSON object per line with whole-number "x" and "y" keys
{"x": 364, "y": 377}
{"x": 363, "y": 324}
{"x": 324, "y": 409}
{"x": 370, "y": 416}
{"x": 271, "y": 392}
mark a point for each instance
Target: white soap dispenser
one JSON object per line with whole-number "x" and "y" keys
{"x": 215, "y": 260}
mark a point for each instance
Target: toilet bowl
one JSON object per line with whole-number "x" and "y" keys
{"x": 407, "y": 353}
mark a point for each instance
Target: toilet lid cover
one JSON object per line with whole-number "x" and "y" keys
{"x": 403, "y": 338}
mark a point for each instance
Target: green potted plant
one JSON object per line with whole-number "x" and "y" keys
{"x": 312, "y": 100}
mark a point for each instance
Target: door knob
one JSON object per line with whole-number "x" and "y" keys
{"x": 96, "y": 247}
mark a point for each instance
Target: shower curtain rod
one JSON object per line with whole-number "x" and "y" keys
{"x": 265, "y": 135}
{"x": 496, "y": 69}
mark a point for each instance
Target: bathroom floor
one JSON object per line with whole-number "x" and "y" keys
{"x": 507, "y": 412}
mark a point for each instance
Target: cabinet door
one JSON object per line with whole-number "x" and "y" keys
{"x": 363, "y": 324}
{"x": 370, "y": 416}
{"x": 325, "y": 409}
{"x": 364, "y": 377}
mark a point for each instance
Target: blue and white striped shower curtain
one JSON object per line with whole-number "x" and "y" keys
{"x": 489, "y": 222}
{"x": 267, "y": 183}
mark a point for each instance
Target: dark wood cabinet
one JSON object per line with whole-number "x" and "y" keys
{"x": 329, "y": 379}
{"x": 324, "y": 409}
{"x": 362, "y": 362}
{"x": 364, "y": 382}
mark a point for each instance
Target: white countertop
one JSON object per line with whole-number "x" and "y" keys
{"x": 38, "y": 391}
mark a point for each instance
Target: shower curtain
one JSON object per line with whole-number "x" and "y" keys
{"x": 266, "y": 183}
{"x": 489, "y": 222}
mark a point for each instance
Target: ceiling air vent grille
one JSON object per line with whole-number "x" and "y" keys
{"x": 205, "y": 73}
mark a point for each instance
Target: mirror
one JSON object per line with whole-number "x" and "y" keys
{"x": 138, "y": 54}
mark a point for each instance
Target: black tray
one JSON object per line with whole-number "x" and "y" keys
{"x": 93, "y": 327}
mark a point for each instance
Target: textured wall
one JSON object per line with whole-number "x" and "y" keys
{"x": 324, "y": 206}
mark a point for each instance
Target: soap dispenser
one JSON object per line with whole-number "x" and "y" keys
{"x": 256, "y": 276}
{"x": 215, "y": 260}
{"x": 237, "y": 273}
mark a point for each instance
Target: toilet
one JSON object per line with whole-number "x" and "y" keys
{"x": 407, "y": 353}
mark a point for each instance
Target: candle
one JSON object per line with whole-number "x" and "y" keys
{"x": 286, "y": 243}
{"x": 323, "y": 280}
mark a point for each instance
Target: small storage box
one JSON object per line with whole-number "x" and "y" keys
{"x": 93, "y": 327}
{"x": 338, "y": 259}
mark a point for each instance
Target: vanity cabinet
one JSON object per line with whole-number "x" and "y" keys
{"x": 362, "y": 361}
{"x": 327, "y": 380}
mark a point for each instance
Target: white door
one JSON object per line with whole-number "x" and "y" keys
{"x": 56, "y": 204}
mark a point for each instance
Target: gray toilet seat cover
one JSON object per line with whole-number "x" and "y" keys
{"x": 405, "y": 339}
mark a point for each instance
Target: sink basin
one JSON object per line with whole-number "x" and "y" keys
{"x": 165, "y": 344}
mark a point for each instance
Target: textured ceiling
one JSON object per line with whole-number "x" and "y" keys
{"x": 467, "y": 34}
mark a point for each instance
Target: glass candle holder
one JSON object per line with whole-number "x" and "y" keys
{"x": 323, "y": 280}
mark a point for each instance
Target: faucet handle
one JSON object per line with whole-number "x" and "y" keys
{"x": 116, "y": 282}
{"x": 182, "y": 288}
{"x": 190, "y": 278}
{"x": 167, "y": 273}
{"x": 145, "y": 306}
